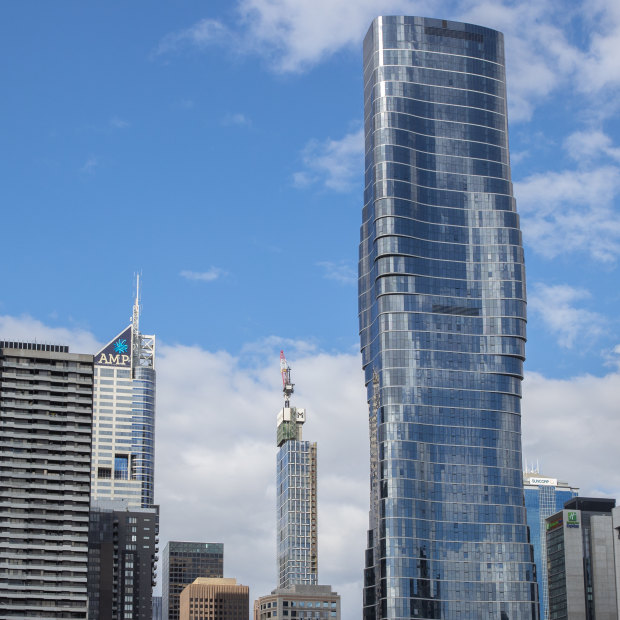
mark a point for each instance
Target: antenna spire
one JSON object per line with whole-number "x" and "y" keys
{"x": 135, "y": 320}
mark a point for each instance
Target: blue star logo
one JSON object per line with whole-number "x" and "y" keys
{"x": 120, "y": 346}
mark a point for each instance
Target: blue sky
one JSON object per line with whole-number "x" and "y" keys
{"x": 217, "y": 148}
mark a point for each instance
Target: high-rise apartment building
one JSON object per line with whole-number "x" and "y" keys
{"x": 124, "y": 427}
{"x": 583, "y": 560}
{"x": 543, "y": 498}
{"x": 214, "y": 599}
{"x": 122, "y": 551}
{"x": 442, "y": 327}
{"x": 296, "y": 494}
{"x": 46, "y": 408}
{"x": 299, "y": 595}
{"x": 184, "y": 562}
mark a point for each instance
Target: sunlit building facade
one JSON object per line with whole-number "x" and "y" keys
{"x": 442, "y": 326}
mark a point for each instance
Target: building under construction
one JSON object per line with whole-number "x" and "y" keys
{"x": 296, "y": 494}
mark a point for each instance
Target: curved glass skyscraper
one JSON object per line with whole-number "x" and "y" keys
{"x": 442, "y": 324}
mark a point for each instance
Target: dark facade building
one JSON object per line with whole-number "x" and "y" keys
{"x": 122, "y": 549}
{"x": 184, "y": 562}
{"x": 442, "y": 327}
{"x": 583, "y": 560}
{"x": 46, "y": 408}
{"x": 543, "y": 498}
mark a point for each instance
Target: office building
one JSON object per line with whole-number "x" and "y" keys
{"x": 442, "y": 328}
{"x": 583, "y": 560}
{"x": 123, "y": 461}
{"x": 124, "y": 427}
{"x": 296, "y": 494}
{"x": 184, "y": 562}
{"x": 46, "y": 408}
{"x": 299, "y": 601}
{"x": 215, "y": 599}
{"x": 543, "y": 498}
{"x": 122, "y": 550}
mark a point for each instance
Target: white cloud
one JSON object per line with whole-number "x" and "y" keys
{"x": 572, "y": 426}
{"x": 89, "y": 165}
{"x": 202, "y": 34}
{"x": 336, "y": 164}
{"x": 27, "y": 329}
{"x": 215, "y": 458}
{"x": 572, "y": 211}
{"x": 215, "y": 447}
{"x": 236, "y": 119}
{"x": 585, "y": 146}
{"x": 296, "y": 34}
{"x": 203, "y": 276}
{"x": 556, "y": 307}
{"x": 118, "y": 123}
{"x": 340, "y": 272}
{"x": 542, "y": 56}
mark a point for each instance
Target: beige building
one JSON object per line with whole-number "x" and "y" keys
{"x": 299, "y": 602}
{"x": 215, "y": 599}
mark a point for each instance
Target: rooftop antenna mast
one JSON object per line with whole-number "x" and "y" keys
{"x": 287, "y": 386}
{"x": 135, "y": 319}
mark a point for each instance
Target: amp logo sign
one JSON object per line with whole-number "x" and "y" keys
{"x": 117, "y": 352}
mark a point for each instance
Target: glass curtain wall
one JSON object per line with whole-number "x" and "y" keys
{"x": 442, "y": 327}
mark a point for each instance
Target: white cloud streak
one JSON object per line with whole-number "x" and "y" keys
{"x": 335, "y": 164}
{"x": 572, "y": 211}
{"x": 202, "y": 34}
{"x": 340, "y": 272}
{"x": 556, "y": 307}
{"x": 203, "y": 276}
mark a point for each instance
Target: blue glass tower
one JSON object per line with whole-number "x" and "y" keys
{"x": 543, "y": 497}
{"x": 442, "y": 328}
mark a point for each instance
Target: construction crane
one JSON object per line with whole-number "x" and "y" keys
{"x": 287, "y": 386}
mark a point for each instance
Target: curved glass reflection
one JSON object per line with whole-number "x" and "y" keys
{"x": 442, "y": 326}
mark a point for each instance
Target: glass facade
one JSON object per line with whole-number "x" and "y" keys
{"x": 124, "y": 421}
{"x": 442, "y": 328}
{"x": 543, "y": 498}
{"x": 297, "y": 519}
{"x": 183, "y": 563}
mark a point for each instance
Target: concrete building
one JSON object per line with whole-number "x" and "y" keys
{"x": 122, "y": 550}
{"x": 297, "y": 523}
{"x": 214, "y": 599}
{"x": 300, "y": 602}
{"x": 543, "y": 497}
{"x": 184, "y": 562}
{"x": 46, "y": 409}
{"x": 582, "y": 558}
{"x": 442, "y": 320}
{"x": 157, "y": 612}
